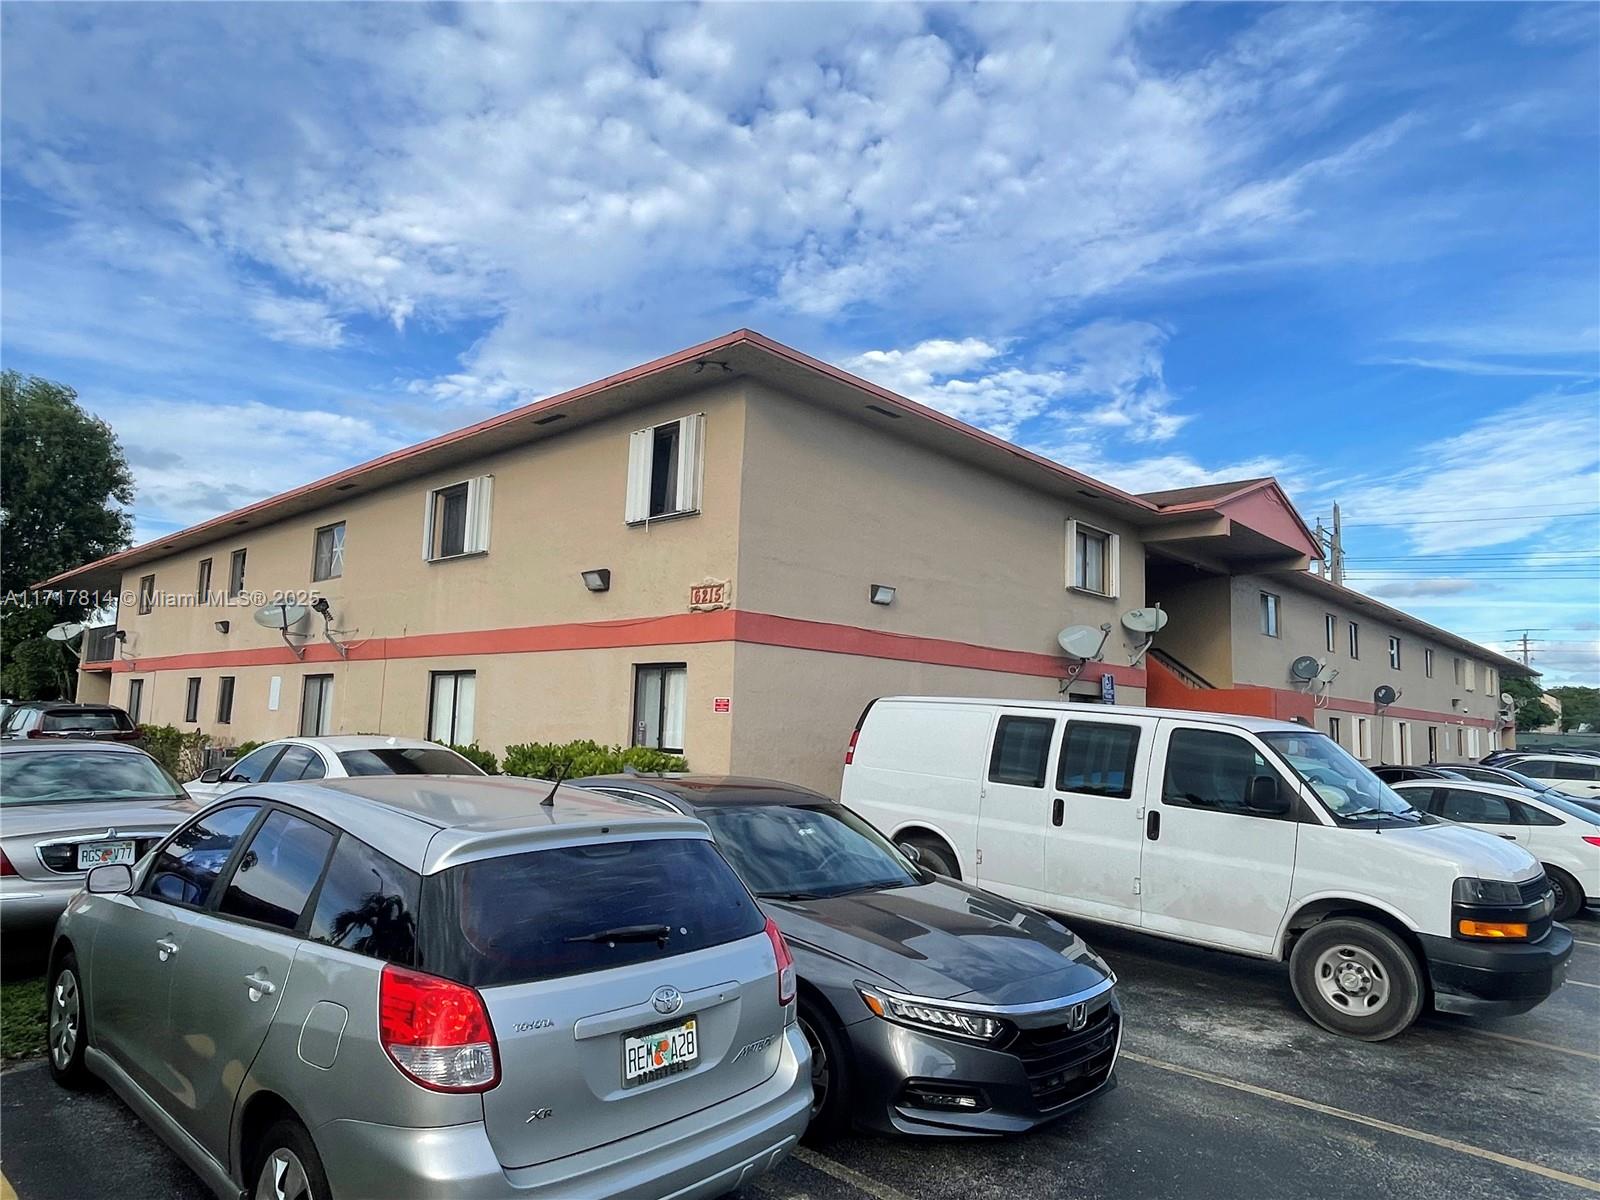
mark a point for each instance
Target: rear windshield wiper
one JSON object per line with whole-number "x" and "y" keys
{"x": 627, "y": 933}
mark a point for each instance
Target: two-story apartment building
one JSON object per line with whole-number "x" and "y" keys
{"x": 728, "y": 551}
{"x": 1233, "y": 639}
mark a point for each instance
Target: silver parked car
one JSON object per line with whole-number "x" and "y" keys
{"x": 66, "y": 807}
{"x": 413, "y": 986}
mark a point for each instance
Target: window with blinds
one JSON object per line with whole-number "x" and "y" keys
{"x": 666, "y": 464}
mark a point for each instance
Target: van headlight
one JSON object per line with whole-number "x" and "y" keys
{"x": 1496, "y": 892}
{"x": 928, "y": 1014}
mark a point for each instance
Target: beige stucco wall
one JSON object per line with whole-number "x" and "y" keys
{"x": 1199, "y": 632}
{"x": 832, "y": 505}
{"x": 557, "y": 510}
{"x": 793, "y": 710}
{"x": 548, "y": 696}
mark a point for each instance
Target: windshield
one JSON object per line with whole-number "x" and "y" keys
{"x": 1353, "y": 794}
{"x": 48, "y": 777}
{"x": 407, "y": 760}
{"x": 806, "y": 851}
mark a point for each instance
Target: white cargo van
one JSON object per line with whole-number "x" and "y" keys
{"x": 1261, "y": 837}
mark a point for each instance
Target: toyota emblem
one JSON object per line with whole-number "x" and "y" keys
{"x": 666, "y": 1000}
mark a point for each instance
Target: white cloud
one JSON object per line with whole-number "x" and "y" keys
{"x": 1501, "y": 480}
{"x": 1422, "y": 587}
{"x": 1477, "y": 366}
{"x": 297, "y": 321}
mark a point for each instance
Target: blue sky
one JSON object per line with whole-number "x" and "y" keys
{"x": 1355, "y": 247}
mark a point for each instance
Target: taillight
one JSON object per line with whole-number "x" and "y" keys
{"x": 1593, "y": 841}
{"x": 130, "y": 735}
{"x": 780, "y": 951}
{"x": 37, "y": 732}
{"x": 850, "y": 750}
{"x": 5, "y": 865}
{"x": 437, "y": 1031}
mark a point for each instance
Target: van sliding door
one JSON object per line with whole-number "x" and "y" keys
{"x": 1092, "y": 845}
{"x": 1014, "y": 806}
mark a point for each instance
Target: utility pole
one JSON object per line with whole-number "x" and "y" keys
{"x": 1337, "y": 552}
{"x": 1320, "y": 536}
{"x": 1526, "y": 650}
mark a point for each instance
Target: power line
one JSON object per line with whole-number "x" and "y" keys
{"x": 1427, "y": 512}
{"x": 1588, "y": 512}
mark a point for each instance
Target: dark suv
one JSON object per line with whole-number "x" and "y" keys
{"x": 63, "y": 719}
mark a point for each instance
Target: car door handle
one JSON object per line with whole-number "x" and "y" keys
{"x": 1058, "y": 811}
{"x": 1510, "y": 837}
{"x": 260, "y": 985}
{"x": 1152, "y": 825}
{"x": 165, "y": 948}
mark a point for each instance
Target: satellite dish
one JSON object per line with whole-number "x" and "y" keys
{"x": 280, "y": 616}
{"x": 1383, "y": 695}
{"x": 1144, "y": 620}
{"x": 1082, "y": 641}
{"x": 64, "y": 632}
{"x": 1327, "y": 675}
{"x": 1508, "y": 698}
{"x": 1305, "y": 668}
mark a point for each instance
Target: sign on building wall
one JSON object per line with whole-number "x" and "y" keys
{"x": 708, "y": 594}
{"x": 1108, "y": 689}
{"x": 274, "y": 693}
{"x": 722, "y": 704}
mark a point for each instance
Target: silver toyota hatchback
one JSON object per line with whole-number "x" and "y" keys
{"x": 437, "y": 987}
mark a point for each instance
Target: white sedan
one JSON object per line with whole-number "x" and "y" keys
{"x": 1572, "y": 773}
{"x": 294, "y": 758}
{"x": 1560, "y": 833}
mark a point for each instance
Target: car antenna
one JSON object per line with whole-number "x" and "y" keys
{"x": 550, "y": 800}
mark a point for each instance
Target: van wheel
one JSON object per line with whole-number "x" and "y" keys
{"x": 67, "y": 1025}
{"x": 288, "y": 1166}
{"x": 1357, "y": 979}
{"x": 830, "y": 1075}
{"x": 1569, "y": 894}
{"x": 936, "y": 856}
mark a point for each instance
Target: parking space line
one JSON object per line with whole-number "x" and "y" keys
{"x": 1522, "y": 1041}
{"x": 831, "y": 1166}
{"x": 1581, "y": 983}
{"x": 1504, "y": 1160}
{"x": 1581, "y": 942}
{"x": 7, "y": 1192}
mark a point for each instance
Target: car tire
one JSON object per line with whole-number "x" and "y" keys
{"x": 67, "y": 1025}
{"x": 1357, "y": 979}
{"x": 1569, "y": 894}
{"x": 936, "y": 857}
{"x": 830, "y": 1074}
{"x": 287, "y": 1166}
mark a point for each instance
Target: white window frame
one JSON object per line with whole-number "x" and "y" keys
{"x": 455, "y": 735}
{"x": 1113, "y": 560}
{"x": 1336, "y": 730}
{"x": 323, "y": 725}
{"x": 691, "y": 470}
{"x": 1353, "y": 632}
{"x": 1271, "y": 610}
{"x": 1394, "y": 653}
{"x": 135, "y": 699}
{"x": 1363, "y": 746}
{"x": 1459, "y": 667}
{"x": 480, "y": 506}
{"x": 335, "y": 570}
{"x": 1472, "y": 675}
{"x": 1427, "y": 661}
{"x": 673, "y": 705}
{"x": 1330, "y": 631}
{"x": 1472, "y": 743}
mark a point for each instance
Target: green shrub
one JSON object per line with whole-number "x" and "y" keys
{"x": 573, "y": 760}
{"x": 244, "y": 748}
{"x": 181, "y": 752}
{"x": 483, "y": 759}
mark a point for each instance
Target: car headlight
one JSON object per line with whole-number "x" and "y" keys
{"x": 1487, "y": 891}
{"x": 925, "y": 1014}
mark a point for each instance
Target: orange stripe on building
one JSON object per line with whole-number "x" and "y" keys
{"x": 677, "y": 629}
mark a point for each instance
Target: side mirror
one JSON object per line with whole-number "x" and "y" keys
{"x": 211, "y": 775}
{"x": 113, "y": 880}
{"x": 1267, "y": 798}
{"x": 909, "y": 851}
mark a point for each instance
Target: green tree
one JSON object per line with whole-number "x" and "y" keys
{"x": 64, "y": 483}
{"x": 1579, "y": 706}
{"x": 1532, "y": 711}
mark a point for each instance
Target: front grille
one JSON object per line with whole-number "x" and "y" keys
{"x": 1535, "y": 888}
{"x": 62, "y": 857}
{"x": 1063, "y": 1064}
{"x": 1533, "y": 891}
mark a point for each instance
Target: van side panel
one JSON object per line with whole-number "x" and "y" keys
{"x": 919, "y": 765}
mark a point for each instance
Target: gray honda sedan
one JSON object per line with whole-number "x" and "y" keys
{"x": 931, "y": 1007}
{"x": 442, "y": 987}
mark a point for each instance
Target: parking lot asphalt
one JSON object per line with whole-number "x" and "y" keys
{"x": 1226, "y": 1092}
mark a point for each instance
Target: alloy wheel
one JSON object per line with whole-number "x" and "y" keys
{"x": 66, "y": 1019}
{"x": 821, "y": 1076}
{"x": 1353, "y": 980}
{"x": 283, "y": 1178}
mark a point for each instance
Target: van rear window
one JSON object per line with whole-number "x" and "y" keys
{"x": 571, "y": 910}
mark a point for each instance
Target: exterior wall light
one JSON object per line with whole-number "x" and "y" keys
{"x": 598, "y": 580}
{"x": 221, "y": 626}
{"x": 881, "y": 593}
